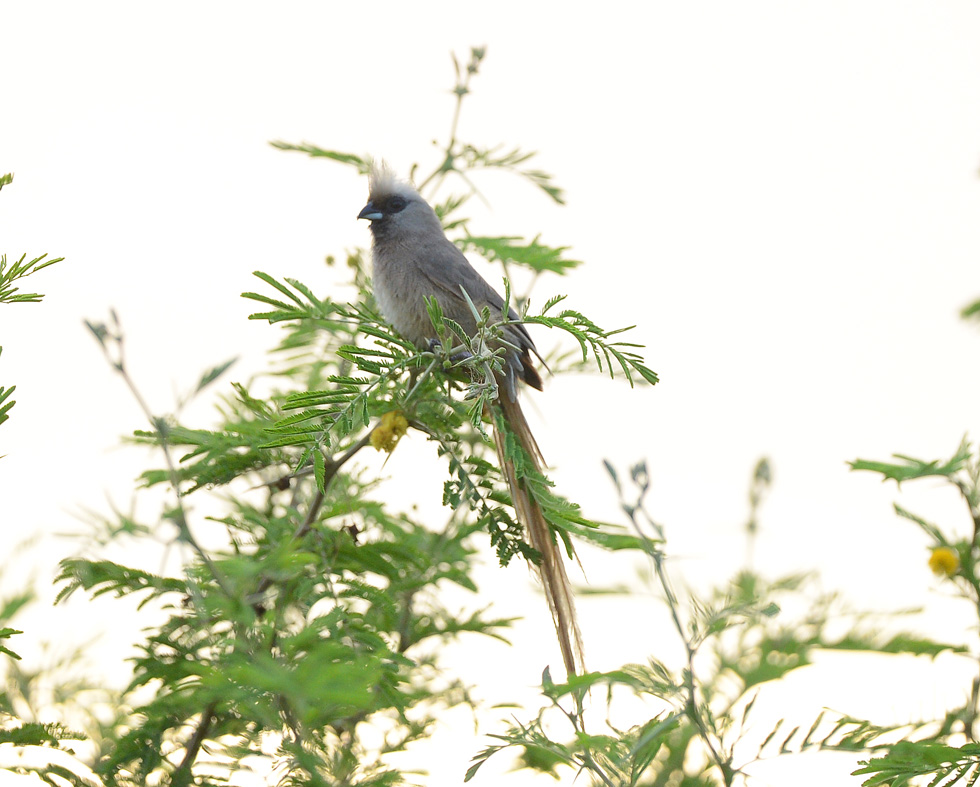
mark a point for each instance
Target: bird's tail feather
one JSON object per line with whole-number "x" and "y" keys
{"x": 557, "y": 588}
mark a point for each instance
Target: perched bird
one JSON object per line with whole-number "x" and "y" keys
{"x": 414, "y": 260}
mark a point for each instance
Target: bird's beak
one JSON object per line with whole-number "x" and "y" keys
{"x": 369, "y": 212}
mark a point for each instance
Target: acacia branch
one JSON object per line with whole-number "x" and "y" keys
{"x": 182, "y": 776}
{"x": 330, "y": 473}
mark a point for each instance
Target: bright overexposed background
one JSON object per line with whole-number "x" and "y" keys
{"x": 783, "y": 197}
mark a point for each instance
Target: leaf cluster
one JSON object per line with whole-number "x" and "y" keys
{"x": 737, "y": 642}
{"x": 305, "y": 638}
{"x": 28, "y": 697}
{"x": 21, "y": 269}
{"x": 908, "y": 760}
{"x": 955, "y": 557}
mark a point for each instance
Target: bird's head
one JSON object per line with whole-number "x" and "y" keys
{"x": 395, "y": 208}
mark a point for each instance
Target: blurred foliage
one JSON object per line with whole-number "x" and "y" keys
{"x": 737, "y": 640}
{"x": 951, "y": 755}
{"x": 971, "y": 312}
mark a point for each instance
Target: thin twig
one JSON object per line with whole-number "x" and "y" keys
{"x": 330, "y": 472}
{"x": 690, "y": 683}
{"x": 969, "y": 496}
{"x": 180, "y": 519}
{"x": 182, "y": 776}
{"x": 461, "y": 90}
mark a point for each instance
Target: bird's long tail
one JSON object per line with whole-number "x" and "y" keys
{"x": 557, "y": 588}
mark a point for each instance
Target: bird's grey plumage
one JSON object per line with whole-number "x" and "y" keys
{"x": 414, "y": 260}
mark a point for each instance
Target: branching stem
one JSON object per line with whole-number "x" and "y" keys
{"x": 657, "y": 555}
{"x": 182, "y": 776}
{"x": 180, "y": 517}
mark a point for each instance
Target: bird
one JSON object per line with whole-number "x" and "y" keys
{"x": 413, "y": 260}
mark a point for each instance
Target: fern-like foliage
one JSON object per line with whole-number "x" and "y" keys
{"x": 21, "y": 269}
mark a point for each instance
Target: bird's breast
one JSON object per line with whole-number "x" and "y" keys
{"x": 401, "y": 299}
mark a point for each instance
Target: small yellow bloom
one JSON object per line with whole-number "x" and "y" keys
{"x": 944, "y": 561}
{"x": 389, "y": 431}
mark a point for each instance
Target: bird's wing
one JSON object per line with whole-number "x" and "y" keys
{"x": 447, "y": 270}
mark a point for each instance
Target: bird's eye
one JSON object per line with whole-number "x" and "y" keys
{"x": 397, "y": 204}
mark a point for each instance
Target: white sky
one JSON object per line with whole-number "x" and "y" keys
{"x": 782, "y": 196}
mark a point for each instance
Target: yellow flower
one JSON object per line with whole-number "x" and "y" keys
{"x": 389, "y": 431}
{"x": 944, "y": 561}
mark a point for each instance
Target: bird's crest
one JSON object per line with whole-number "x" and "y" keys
{"x": 383, "y": 183}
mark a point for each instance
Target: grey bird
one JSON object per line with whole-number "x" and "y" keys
{"x": 414, "y": 260}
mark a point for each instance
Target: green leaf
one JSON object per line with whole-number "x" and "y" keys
{"x": 281, "y": 287}
{"x": 647, "y": 374}
{"x": 898, "y": 643}
{"x": 361, "y": 163}
{"x": 928, "y": 527}
{"x": 511, "y": 160}
{"x": 104, "y": 576}
{"x": 7, "y": 633}
{"x": 213, "y": 374}
{"x": 553, "y": 301}
{"x": 5, "y": 393}
{"x": 14, "y": 604}
{"x": 33, "y": 734}
{"x": 319, "y": 470}
{"x": 908, "y": 759}
{"x": 511, "y": 249}
{"x": 542, "y": 759}
{"x": 434, "y": 309}
{"x": 297, "y": 437}
{"x": 911, "y": 468}
{"x": 21, "y": 270}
